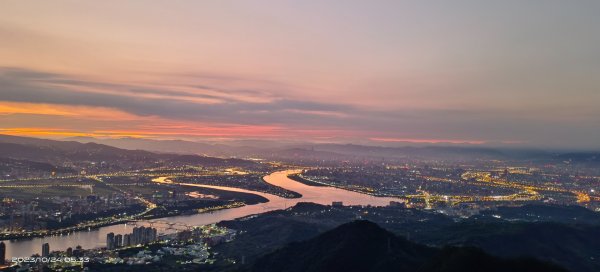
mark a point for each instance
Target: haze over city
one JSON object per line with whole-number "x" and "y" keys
{"x": 509, "y": 73}
{"x": 286, "y": 136}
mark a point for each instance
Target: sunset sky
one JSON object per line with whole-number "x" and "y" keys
{"x": 511, "y": 73}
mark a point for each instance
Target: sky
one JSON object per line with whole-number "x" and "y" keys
{"x": 509, "y": 73}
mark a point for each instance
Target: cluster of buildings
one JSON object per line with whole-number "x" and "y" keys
{"x": 192, "y": 244}
{"x": 55, "y": 212}
{"x": 140, "y": 235}
{"x": 194, "y": 253}
{"x": 462, "y": 189}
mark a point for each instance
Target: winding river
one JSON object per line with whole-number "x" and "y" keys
{"x": 97, "y": 237}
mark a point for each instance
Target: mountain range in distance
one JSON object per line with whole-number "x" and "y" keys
{"x": 333, "y": 151}
{"x": 84, "y": 148}
{"x": 33, "y": 154}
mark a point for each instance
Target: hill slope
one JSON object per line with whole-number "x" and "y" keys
{"x": 60, "y": 152}
{"x": 364, "y": 246}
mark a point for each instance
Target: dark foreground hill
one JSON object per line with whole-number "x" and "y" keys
{"x": 364, "y": 246}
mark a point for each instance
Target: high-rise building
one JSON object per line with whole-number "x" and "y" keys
{"x": 135, "y": 236}
{"x": 127, "y": 240}
{"x": 154, "y": 234}
{"x": 118, "y": 240}
{"x": 2, "y": 253}
{"x": 78, "y": 252}
{"x": 132, "y": 238}
{"x": 148, "y": 235}
{"x": 110, "y": 241}
{"x": 140, "y": 235}
{"x": 45, "y": 250}
{"x": 69, "y": 251}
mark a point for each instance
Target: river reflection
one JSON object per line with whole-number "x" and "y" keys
{"x": 97, "y": 238}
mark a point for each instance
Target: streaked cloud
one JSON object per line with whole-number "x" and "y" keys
{"x": 71, "y": 111}
{"x": 511, "y": 73}
{"x": 166, "y": 114}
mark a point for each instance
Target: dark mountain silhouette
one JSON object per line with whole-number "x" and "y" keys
{"x": 333, "y": 151}
{"x": 45, "y": 150}
{"x": 572, "y": 246}
{"x": 364, "y": 246}
{"x": 161, "y": 146}
{"x": 470, "y": 259}
{"x": 52, "y": 151}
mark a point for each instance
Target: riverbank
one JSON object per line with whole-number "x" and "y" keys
{"x": 237, "y": 199}
{"x": 97, "y": 237}
{"x": 298, "y": 178}
{"x": 247, "y": 182}
{"x": 71, "y": 230}
{"x": 309, "y": 182}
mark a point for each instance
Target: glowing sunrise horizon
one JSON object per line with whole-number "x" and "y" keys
{"x": 388, "y": 72}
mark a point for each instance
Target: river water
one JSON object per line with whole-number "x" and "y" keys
{"x": 97, "y": 237}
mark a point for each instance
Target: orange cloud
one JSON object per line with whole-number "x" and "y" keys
{"x": 122, "y": 124}
{"x": 203, "y": 132}
{"x": 197, "y": 130}
{"x": 7, "y": 108}
{"x": 45, "y": 132}
{"x": 81, "y": 112}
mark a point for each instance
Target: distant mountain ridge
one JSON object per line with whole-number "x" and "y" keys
{"x": 81, "y": 148}
{"x": 46, "y": 150}
{"x": 335, "y": 151}
{"x": 53, "y": 151}
{"x": 161, "y": 146}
